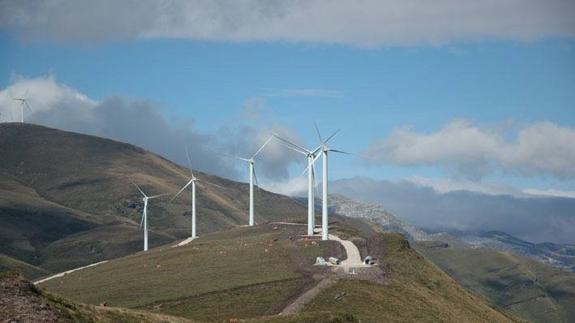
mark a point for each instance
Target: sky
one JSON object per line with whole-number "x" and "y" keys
{"x": 448, "y": 94}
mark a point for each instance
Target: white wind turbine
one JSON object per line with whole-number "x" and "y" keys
{"x": 192, "y": 182}
{"x": 324, "y": 152}
{"x": 252, "y": 162}
{"x": 145, "y": 213}
{"x": 23, "y": 105}
{"x": 311, "y": 156}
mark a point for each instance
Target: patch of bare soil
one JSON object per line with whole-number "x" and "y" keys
{"x": 20, "y": 301}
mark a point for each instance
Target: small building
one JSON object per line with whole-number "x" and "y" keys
{"x": 320, "y": 261}
{"x": 369, "y": 260}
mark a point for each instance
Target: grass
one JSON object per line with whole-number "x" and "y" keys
{"x": 22, "y": 301}
{"x": 528, "y": 289}
{"x": 253, "y": 273}
{"x": 61, "y": 192}
{"x": 256, "y": 271}
{"x": 415, "y": 291}
{"x": 237, "y": 303}
{"x": 27, "y": 270}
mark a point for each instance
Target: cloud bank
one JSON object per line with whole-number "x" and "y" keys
{"x": 471, "y": 151}
{"x": 358, "y": 23}
{"x": 535, "y": 219}
{"x": 141, "y": 123}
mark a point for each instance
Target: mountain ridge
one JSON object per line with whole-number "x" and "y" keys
{"x": 56, "y": 184}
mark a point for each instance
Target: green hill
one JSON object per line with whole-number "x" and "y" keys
{"x": 527, "y": 288}
{"x": 253, "y": 273}
{"x": 21, "y": 301}
{"x": 67, "y": 199}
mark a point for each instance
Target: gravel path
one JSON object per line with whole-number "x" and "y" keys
{"x": 297, "y": 305}
{"x": 353, "y": 260}
{"x": 353, "y": 256}
{"x": 67, "y": 272}
{"x": 184, "y": 242}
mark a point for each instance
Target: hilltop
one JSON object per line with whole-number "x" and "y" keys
{"x": 21, "y": 301}
{"x": 254, "y": 273}
{"x": 67, "y": 199}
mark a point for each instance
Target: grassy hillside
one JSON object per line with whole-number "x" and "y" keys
{"x": 243, "y": 272}
{"x": 11, "y": 264}
{"x": 61, "y": 191}
{"x": 253, "y": 273}
{"x": 414, "y": 290}
{"x": 529, "y": 289}
{"x": 21, "y": 301}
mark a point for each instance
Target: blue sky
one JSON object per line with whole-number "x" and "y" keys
{"x": 494, "y": 82}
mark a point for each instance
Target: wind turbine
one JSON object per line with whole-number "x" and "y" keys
{"x": 145, "y": 213}
{"x": 324, "y": 152}
{"x": 252, "y": 162}
{"x": 192, "y": 182}
{"x": 312, "y": 156}
{"x": 24, "y": 105}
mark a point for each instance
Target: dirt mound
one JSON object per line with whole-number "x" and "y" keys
{"x": 21, "y": 301}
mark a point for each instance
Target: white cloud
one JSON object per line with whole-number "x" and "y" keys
{"x": 141, "y": 123}
{"x": 549, "y": 192}
{"x": 537, "y": 149}
{"x": 296, "y": 186}
{"x": 363, "y": 23}
{"x": 445, "y": 185}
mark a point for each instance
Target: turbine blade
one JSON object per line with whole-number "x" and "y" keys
{"x": 304, "y": 171}
{"x": 256, "y": 178}
{"x": 318, "y": 133}
{"x": 181, "y": 190}
{"x": 332, "y": 135}
{"x": 159, "y": 195}
{"x": 232, "y": 156}
{"x": 142, "y": 221}
{"x": 216, "y": 185}
{"x": 317, "y": 150}
{"x": 139, "y": 189}
{"x": 314, "y": 182}
{"x": 189, "y": 161}
{"x": 26, "y": 93}
{"x": 340, "y": 151}
{"x": 262, "y": 147}
{"x": 293, "y": 146}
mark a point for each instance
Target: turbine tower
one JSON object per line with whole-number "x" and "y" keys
{"x": 23, "y": 105}
{"x": 145, "y": 214}
{"x": 252, "y": 168}
{"x": 311, "y": 156}
{"x": 324, "y": 152}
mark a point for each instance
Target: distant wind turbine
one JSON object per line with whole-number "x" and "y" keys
{"x": 324, "y": 152}
{"x": 144, "y": 220}
{"x": 312, "y": 156}
{"x": 23, "y": 105}
{"x": 192, "y": 181}
{"x": 252, "y": 162}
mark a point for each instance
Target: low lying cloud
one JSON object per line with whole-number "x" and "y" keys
{"x": 359, "y": 23}
{"x": 471, "y": 151}
{"x": 468, "y": 208}
{"x": 141, "y": 123}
